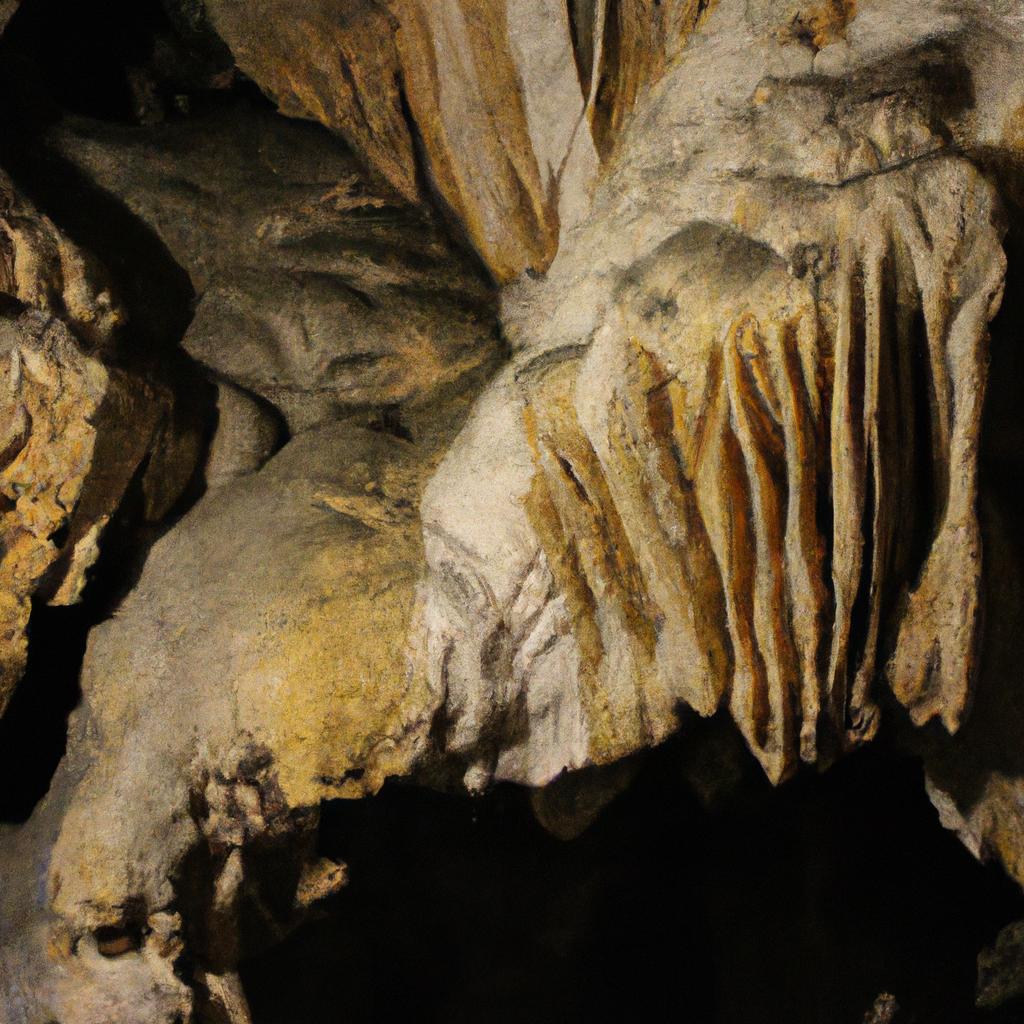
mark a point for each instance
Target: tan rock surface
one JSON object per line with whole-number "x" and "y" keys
{"x": 318, "y": 291}
{"x": 309, "y": 567}
{"x": 733, "y": 468}
{"x": 7, "y": 8}
{"x": 75, "y": 429}
{"x": 42, "y": 268}
{"x": 692, "y": 413}
{"x": 388, "y": 76}
{"x": 75, "y": 434}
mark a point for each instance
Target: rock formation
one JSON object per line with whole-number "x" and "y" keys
{"x": 681, "y": 468}
{"x": 76, "y": 430}
{"x": 584, "y": 370}
{"x": 310, "y": 700}
{"x": 318, "y": 292}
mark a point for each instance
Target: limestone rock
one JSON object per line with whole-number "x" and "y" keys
{"x": 7, "y": 8}
{"x": 665, "y": 461}
{"x": 628, "y": 45}
{"x": 751, "y": 251}
{"x": 247, "y": 434}
{"x": 489, "y": 92}
{"x": 75, "y": 433}
{"x": 266, "y": 648}
{"x": 75, "y": 429}
{"x": 334, "y": 63}
{"x": 885, "y": 1010}
{"x": 495, "y": 93}
{"x": 976, "y": 781}
{"x": 318, "y": 292}
{"x": 1001, "y": 968}
{"x": 41, "y": 268}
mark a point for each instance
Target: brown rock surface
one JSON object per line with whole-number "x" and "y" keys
{"x": 42, "y": 268}
{"x": 7, "y": 8}
{"x": 75, "y": 434}
{"x": 749, "y": 371}
{"x": 318, "y": 291}
{"x": 310, "y": 567}
{"x": 734, "y": 468}
{"x": 389, "y": 76}
{"x": 76, "y": 430}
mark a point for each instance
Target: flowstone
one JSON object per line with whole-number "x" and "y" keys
{"x": 584, "y": 370}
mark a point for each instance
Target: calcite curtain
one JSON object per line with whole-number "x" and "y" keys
{"x": 446, "y": 96}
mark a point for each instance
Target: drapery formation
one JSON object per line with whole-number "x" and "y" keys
{"x": 760, "y": 480}
{"x": 475, "y": 99}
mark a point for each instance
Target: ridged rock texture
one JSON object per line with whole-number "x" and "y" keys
{"x": 76, "y": 430}
{"x": 484, "y": 103}
{"x": 553, "y": 375}
{"x": 679, "y": 547}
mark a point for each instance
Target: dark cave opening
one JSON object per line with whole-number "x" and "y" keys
{"x": 798, "y": 905}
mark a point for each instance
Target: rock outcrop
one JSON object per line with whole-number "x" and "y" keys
{"x": 309, "y": 567}
{"x": 584, "y": 369}
{"x": 77, "y": 427}
{"x": 317, "y": 292}
{"x": 715, "y": 494}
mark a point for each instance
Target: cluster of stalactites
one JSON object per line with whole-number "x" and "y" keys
{"x": 761, "y": 491}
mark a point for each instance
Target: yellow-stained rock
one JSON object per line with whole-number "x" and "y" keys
{"x": 271, "y": 626}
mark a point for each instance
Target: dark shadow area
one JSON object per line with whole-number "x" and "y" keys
{"x": 59, "y": 56}
{"x": 33, "y": 731}
{"x": 118, "y": 60}
{"x": 796, "y": 906}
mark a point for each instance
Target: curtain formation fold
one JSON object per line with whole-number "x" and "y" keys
{"x": 761, "y": 487}
{"x": 433, "y": 95}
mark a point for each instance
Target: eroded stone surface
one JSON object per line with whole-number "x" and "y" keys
{"x": 318, "y": 291}
{"x": 488, "y": 90}
{"x": 42, "y": 268}
{"x": 75, "y": 429}
{"x": 7, "y": 8}
{"x": 309, "y": 567}
{"x": 75, "y": 435}
{"x": 733, "y": 464}
{"x": 662, "y": 481}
